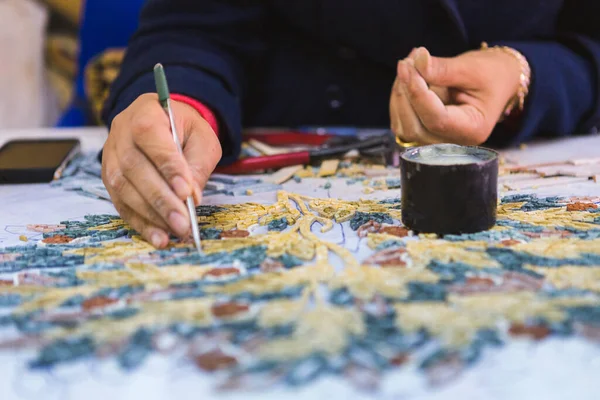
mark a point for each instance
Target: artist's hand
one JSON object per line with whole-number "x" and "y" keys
{"x": 452, "y": 100}
{"x": 146, "y": 177}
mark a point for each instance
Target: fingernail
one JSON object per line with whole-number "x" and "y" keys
{"x": 156, "y": 239}
{"x": 179, "y": 223}
{"x": 180, "y": 186}
{"x": 422, "y": 59}
{"x": 419, "y": 52}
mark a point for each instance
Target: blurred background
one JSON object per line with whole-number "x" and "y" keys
{"x": 58, "y": 58}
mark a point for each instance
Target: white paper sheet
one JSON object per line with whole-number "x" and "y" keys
{"x": 556, "y": 151}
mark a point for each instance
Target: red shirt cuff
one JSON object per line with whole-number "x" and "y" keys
{"x": 204, "y": 111}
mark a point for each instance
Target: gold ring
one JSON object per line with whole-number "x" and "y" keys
{"x": 404, "y": 144}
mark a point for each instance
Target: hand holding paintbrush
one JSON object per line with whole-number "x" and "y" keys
{"x": 147, "y": 177}
{"x": 164, "y": 97}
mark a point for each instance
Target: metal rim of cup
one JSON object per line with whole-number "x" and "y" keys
{"x": 494, "y": 155}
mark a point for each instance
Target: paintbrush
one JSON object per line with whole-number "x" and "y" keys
{"x": 164, "y": 97}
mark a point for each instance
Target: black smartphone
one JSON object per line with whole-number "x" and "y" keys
{"x": 35, "y": 161}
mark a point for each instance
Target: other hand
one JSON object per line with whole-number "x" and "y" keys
{"x": 146, "y": 177}
{"x": 452, "y": 100}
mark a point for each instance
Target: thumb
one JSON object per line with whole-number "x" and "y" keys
{"x": 439, "y": 71}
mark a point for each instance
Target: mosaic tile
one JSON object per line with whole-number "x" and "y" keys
{"x": 288, "y": 306}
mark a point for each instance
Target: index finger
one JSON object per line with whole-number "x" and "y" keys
{"x": 462, "y": 124}
{"x": 151, "y": 132}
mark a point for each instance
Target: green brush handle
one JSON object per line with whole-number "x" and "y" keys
{"x": 162, "y": 88}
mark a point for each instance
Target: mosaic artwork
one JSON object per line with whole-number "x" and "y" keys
{"x": 83, "y": 176}
{"x": 287, "y": 293}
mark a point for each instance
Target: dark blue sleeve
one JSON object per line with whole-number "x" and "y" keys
{"x": 564, "y": 96}
{"x": 208, "y": 48}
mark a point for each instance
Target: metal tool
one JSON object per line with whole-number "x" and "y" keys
{"x": 164, "y": 97}
{"x": 327, "y": 147}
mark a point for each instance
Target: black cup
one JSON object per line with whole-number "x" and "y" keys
{"x": 449, "y": 189}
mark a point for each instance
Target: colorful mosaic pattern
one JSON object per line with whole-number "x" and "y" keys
{"x": 272, "y": 301}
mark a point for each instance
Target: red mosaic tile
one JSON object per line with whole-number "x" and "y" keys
{"x": 222, "y": 271}
{"x": 369, "y": 227}
{"x": 387, "y": 258}
{"x": 97, "y": 302}
{"x": 57, "y": 239}
{"x": 229, "y": 309}
{"x": 580, "y": 206}
{"x": 536, "y": 332}
{"x": 215, "y": 360}
{"x": 399, "y": 231}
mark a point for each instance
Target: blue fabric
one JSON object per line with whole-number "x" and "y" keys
{"x": 282, "y": 63}
{"x": 104, "y": 24}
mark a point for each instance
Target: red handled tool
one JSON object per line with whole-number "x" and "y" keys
{"x": 253, "y": 164}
